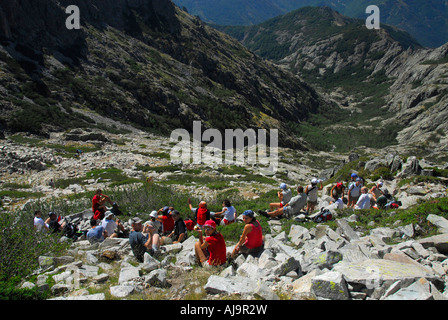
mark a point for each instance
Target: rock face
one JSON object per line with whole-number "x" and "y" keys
{"x": 416, "y": 94}
{"x": 165, "y": 69}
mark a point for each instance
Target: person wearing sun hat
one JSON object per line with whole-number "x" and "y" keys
{"x": 251, "y": 241}
{"x": 212, "y": 250}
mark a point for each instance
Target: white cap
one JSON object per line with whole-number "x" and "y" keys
{"x": 153, "y": 214}
{"x": 314, "y": 181}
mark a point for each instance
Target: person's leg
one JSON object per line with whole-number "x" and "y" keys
{"x": 274, "y": 205}
{"x": 276, "y": 213}
{"x": 200, "y": 254}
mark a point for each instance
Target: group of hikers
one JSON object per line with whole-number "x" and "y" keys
{"x": 166, "y": 226}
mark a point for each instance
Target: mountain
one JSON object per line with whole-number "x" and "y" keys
{"x": 427, "y": 21}
{"x": 380, "y": 78}
{"x": 142, "y": 62}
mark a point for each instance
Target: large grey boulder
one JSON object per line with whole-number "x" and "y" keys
{"x": 128, "y": 274}
{"x": 330, "y": 285}
{"x": 157, "y": 278}
{"x": 373, "y": 272}
{"x": 419, "y": 290}
{"x": 239, "y": 285}
{"x": 440, "y": 222}
{"x": 440, "y": 242}
{"x": 121, "y": 291}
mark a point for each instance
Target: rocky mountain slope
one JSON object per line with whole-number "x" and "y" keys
{"x": 369, "y": 73}
{"x": 142, "y": 62}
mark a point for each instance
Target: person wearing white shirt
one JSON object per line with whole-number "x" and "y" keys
{"x": 364, "y": 200}
{"x": 109, "y": 225}
{"x": 39, "y": 223}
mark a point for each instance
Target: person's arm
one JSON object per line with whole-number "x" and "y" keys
{"x": 189, "y": 204}
{"x": 204, "y": 244}
{"x": 247, "y": 229}
{"x": 332, "y": 189}
{"x": 321, "y": 185}
{"x": 280, "y": 196}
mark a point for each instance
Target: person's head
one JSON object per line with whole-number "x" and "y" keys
{"x": 108, "y": 215}
{"x": 358, "y": 181}
{"x": 354, "y": 176}
{"x": 98, "y": 192}
{"x": 364, "y": 190}
{"x": 209, "y": 227}
{"x": 299, "y": 189}
{"x": 202, "y": 204}
{"x": 339, "y": 185}
{"x": 175, "y": 214}
{"x": 226, "y": 203}
{"x": 38, "y": 213}
{"x": 314, "y": 181}
{"x": 153, "y": 215}
{"x": 283, "y": 186}
{"x": 165, "y": 210}
{"x": 136, "y": 224}
{"x": 379, "y": 185}
{"x": 248, "y": 216}
{"x": 93, "y": 222}
{"x": 52, "y": 215}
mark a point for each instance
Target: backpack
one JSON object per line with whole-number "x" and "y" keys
{"x": 324, "y": 215}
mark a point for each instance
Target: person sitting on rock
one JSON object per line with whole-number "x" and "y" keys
{"x": 228, "y": 211}
{"x": 251, "y": 241}
{"x": 202, "y": 213}
{"x": 97, "y": 233}
{"x": 166, "y": 219}
{"x": 212, "y": 250}
{"x": 376, "y": 192}
{"x": 364, "y": 200}
{"x": 98, "y": 204}
{"x": 292, "y": 208}
{"x": 112, "y": 227}
{"x": 39, "y": 223}
{"x": 153, "y": 221}
{"x": 284, "y": 195}
{"x": 143, "y": 240}
{"x": 53, "y": 222}
{"x": 337, "y": 191}
{"x": 179, "y": 234}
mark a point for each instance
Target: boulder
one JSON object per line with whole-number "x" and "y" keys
{"x": 440, "y": 222}
{"x": 373, "y": 272}
{"x": 157, "y": 278}
{"x": 128, "y": 274}
{"x": 121, "y": 291}
{"x": 440, "y": 242}
{"x": 239, "y": 285}
{"x": 330, "y": 285}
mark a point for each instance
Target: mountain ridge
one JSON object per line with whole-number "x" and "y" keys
{"x": 147, "y": 63}
{"x": 362, "y": 70}
{"x": 427, "y": 21}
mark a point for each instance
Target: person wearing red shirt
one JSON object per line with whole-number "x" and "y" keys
{"x": 251, "y": 241}
{"x": 212, "y": 250}
{"x": 166, "y": 219}
{"x": 202, "y": 213}
{"x": 98, "y": 206}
